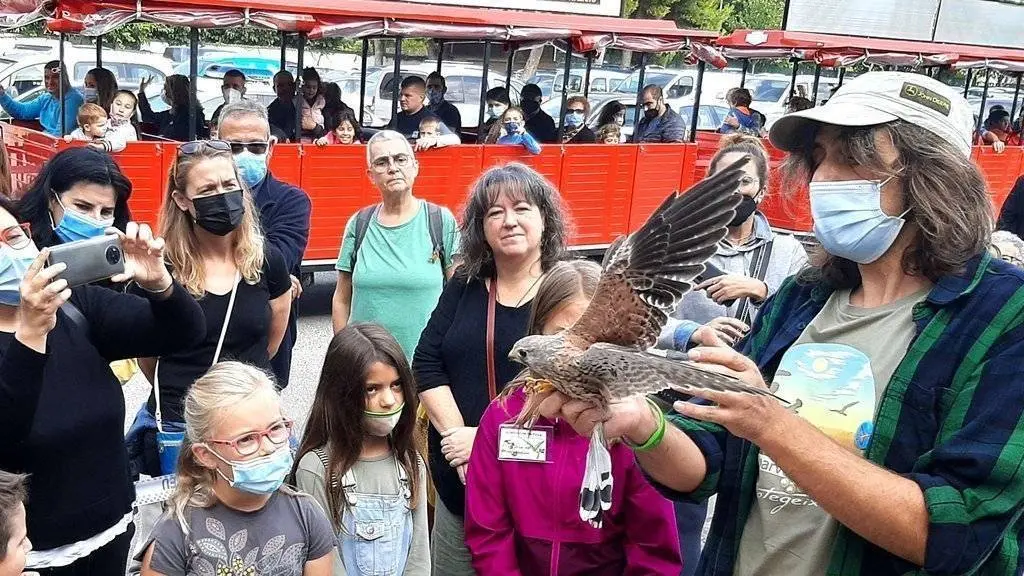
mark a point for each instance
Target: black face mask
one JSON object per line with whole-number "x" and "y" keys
{"x": 221, "y": 213}
{"x": 530, "y": 106}
{"x": 744, "y": 209}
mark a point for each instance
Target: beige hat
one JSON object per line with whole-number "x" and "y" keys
{"x": 881, "y": 97}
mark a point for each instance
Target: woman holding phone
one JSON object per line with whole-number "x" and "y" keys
{"x": 751, "y": 261}
{"x": 56, "y": 345}
{"x": 217, "y": 251}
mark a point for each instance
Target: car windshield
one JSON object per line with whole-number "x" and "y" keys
{"x": 768, "y": 90}
{"x": 629, "y": 84}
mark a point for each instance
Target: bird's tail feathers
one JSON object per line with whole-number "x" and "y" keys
{"x": 596, "y": 491}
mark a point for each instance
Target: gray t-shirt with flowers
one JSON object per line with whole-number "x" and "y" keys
{"x": 276, "y": 540}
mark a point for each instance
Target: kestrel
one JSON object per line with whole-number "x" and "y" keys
{"x": 603, "y": 356}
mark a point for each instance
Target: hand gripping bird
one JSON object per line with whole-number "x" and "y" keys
{"x": 602, "y": 357}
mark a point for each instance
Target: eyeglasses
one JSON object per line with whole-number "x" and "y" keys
{"x": 17, "y": 237}
{"x": 258, "y": 148}
{"x": 747, "y": 181}
{"x": 576, "y": 111}
{"x": 249, "y": 444}
{"x": 196, "y": 146}
{"x": 381, "y": 163}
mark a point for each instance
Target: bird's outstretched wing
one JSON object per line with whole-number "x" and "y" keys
{"x": 646, "y": 273}
{"x": 626, "y": 371}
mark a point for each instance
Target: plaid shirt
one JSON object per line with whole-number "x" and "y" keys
{"x": 951, "y": 419}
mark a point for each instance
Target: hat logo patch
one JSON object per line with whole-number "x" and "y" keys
{"x": 927, "y": 98}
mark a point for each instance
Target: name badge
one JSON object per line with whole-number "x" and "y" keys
{"x": 524, "y": 444}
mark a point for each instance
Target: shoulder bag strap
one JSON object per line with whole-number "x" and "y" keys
{"x": 227, "y": 320}
{"x": 758, "y": 269}
{"x": 363, "y": 219}
{"x": 158, "y": 414}
{"x": 492, "y": 297}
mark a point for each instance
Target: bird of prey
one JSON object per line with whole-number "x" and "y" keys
{"x": 603, "y": 357}
{"x": 843, "y": 410}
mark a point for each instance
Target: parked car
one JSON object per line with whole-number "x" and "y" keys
{"x": 602, "y": 81}
{"x": 677, "y": 84}
{"x": 23, "y": 78}
{"x": 770, "y": 92}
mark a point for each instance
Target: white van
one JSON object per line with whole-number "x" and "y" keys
{"x": 26, "y": 72}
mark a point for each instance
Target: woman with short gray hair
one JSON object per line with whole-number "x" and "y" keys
{"x": 513, "y": 230}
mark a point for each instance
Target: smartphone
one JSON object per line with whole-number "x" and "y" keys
{"x": 89, "y": 260}
{"x": 710, "y": 271}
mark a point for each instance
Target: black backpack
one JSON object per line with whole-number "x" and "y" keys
{"x": 434, "y": 223}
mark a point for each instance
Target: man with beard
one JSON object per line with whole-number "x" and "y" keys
{"x": 660, "y": 123}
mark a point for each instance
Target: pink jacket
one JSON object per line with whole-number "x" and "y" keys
{"x": 523, "y": 517}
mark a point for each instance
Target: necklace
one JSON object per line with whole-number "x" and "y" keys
{"x": 528, "y": 290}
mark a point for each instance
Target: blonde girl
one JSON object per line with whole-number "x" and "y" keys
{"x": 231, "y": 513}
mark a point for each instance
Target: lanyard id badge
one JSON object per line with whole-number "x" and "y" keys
{"x": 518, "y": 444}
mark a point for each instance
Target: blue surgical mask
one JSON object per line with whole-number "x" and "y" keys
{"x": 263, "y": 475}
{"x": 13, "y": 264}
{"x": 849, "y": 221}
{"x": 573, "y": 119}
{"x": 252, "y": 167}
{"x": 90, "y": 94}
{"x": 74, "y": 226}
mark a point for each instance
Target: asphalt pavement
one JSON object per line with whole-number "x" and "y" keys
{"x": 307, "y": 357}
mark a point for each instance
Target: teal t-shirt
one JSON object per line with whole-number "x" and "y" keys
{"x": 397, "y": 279}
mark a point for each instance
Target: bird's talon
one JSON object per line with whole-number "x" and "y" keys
{"x": 538, "y": 386}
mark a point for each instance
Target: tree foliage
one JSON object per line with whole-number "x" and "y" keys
{"x": 715, "y": 15}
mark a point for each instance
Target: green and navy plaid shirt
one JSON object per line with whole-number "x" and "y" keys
{"x": 951, "y": 419}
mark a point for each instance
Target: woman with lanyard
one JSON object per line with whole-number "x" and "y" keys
{"x": 62, "y": 408}
{"x": 513, "y": 230}
{"x": 749, "y": 266}
{"x": 217, "y": 252}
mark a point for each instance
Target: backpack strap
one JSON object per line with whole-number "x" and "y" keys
{"x": 436, "y": 226}
{"x": 322, "y": 455}
{"x": 75, "y": 315}
{"x": 363, "y": 219}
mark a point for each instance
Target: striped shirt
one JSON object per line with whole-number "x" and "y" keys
{"x": 951, "y": 419}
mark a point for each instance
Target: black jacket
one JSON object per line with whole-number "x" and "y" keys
{"x": 173, "y": 123}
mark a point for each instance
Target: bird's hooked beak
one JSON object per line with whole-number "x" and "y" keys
{"x": 517, "y": 354}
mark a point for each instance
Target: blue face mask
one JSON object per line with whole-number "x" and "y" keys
{"x": 435, "y": 97}
{"x": 512, "y": 127}
{"x": 573, "y": 119}
{"x": 74, "y": 226}
{"x": 263, "y": 475}
{"x": 252, "y": 167}
{"x": 849, "y": 221}
{"x": 13, "y": 264}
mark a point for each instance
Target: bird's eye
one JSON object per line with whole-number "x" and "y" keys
{"x": 522, "y": 354}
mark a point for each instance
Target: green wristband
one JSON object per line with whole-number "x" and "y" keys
{"x": 657, "y": 436}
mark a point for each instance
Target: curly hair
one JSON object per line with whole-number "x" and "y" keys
{"x": 522, "y": 183}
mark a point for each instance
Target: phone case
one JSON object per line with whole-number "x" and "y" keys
{"x": 89, "y": 260}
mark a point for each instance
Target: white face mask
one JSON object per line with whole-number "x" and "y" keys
{"x": 382, "y": 423}
{"x": 231, "y": 95}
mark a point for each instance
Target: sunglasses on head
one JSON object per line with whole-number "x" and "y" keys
{"x": 196, "y": 146}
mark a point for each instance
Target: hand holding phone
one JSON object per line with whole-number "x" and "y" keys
{"x": 88, "y": 260}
